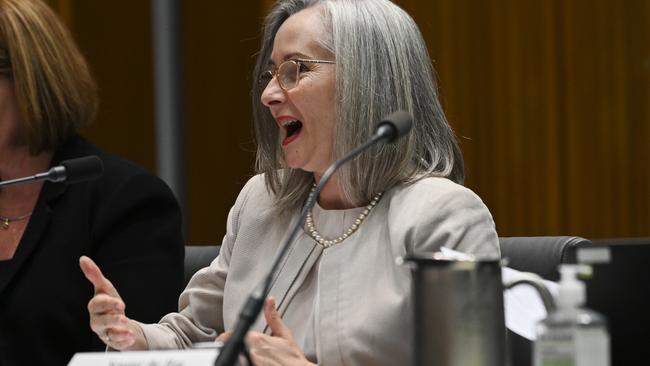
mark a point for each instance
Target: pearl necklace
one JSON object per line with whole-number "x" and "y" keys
{"x": 326, "y": 243}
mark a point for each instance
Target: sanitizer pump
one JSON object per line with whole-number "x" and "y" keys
{"x": 572, "y": 335}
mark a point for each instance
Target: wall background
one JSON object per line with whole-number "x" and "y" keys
{"x": 550, "y": 100}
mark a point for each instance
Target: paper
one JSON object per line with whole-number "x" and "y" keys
{"x": 523, "y": 305}
{"x": 193, "y": 357}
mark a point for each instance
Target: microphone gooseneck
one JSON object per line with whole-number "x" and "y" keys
{"x": 388, "y": 130}
{"x": 69, "y": 172}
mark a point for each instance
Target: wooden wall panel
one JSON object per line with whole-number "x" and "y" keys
{"x": 550, "y": 100}
{"x": 220, "y": 40}
{"x": 115, "y": 37}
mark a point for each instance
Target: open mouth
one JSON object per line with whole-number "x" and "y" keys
{"x": 293, "y": 129}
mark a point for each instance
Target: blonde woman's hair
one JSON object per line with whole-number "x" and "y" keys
{"x": 55, "y": 92}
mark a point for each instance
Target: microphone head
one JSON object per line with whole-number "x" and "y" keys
{"x": 396, "y": 125}
{"x": 83, "y": 169}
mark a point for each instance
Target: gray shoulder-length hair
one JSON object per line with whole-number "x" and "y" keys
{"x": 382, "y": 65}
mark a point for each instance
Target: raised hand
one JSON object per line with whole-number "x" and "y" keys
{"x": 277, "y": 349}
{"x": 106, "y": 308}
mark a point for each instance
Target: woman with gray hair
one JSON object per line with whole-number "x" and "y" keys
{"x": 328, "y": 70}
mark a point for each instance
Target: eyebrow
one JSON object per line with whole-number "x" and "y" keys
{"x": 290, "y": 56}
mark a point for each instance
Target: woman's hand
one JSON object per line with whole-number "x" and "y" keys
{"x": 277, "y": 349}
{"x": 106, "y": 309}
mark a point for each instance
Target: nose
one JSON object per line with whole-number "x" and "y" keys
{"x": 273, "y": 93}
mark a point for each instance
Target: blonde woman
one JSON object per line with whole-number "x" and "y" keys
{"x": 127, "y": 220}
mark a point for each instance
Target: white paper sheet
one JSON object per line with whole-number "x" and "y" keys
{"x": 192, "y": 357}
{"x": 523, "y": 305}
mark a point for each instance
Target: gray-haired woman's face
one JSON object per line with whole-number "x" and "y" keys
{"x": 304, "y": 113}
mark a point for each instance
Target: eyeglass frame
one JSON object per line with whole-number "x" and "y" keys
{"x": 275, "y": 71}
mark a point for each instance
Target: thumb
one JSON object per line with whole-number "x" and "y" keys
{"x": 95, "y": 276}
{"x": 274, "y": 320}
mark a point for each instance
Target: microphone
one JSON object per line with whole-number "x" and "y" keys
{"x": 69, "y": 172}
{"x": 394, "y": 126}
{"x": 390, "y": 129}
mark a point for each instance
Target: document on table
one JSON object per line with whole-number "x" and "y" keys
{"x": 523, "y": 305}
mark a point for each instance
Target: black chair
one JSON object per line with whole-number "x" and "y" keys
{"x": 197, "y": 257}
{"x": 540, "y": 255}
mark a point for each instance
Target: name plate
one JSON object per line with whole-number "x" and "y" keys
{"x": 192, "y": 357}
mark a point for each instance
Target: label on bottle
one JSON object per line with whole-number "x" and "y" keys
{"x": 555, "y": 347}
{"x": 567, "y": 346}
{"x": 592, "y": 347}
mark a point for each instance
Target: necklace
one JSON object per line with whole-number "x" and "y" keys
{"x": 4, "y": 221}
{"x": 326, "y": 243}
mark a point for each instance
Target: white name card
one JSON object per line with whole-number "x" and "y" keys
{"x": 192, "y": 357}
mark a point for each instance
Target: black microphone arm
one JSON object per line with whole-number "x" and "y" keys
{"x": 388, "y": 130}
{"x": 70, "y": 171}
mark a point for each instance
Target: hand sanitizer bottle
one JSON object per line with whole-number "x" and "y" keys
{"x": 572, "y": 335}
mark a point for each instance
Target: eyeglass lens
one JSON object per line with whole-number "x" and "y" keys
{"x": 287, "y": 75}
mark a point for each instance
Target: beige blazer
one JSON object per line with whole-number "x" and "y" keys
{"x": 349, "y": 304}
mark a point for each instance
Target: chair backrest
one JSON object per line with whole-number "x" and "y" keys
{"x": 197, "y": 257}
{"x": 540, "y": 254}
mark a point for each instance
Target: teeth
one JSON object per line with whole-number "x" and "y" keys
{"x": 288, "y": 122}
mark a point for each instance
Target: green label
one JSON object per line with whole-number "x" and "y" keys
{"x": 558, "y": 362}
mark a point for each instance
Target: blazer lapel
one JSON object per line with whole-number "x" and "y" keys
{"x": 33, "y": 232}
{"x": 301, "y": 258}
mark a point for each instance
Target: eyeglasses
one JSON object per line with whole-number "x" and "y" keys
{"x": 288, "y": 73}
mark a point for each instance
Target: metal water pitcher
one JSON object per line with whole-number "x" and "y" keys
{"x": 458, "y": 310}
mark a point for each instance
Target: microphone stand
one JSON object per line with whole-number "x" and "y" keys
{"x": 56, "y": 174}
{"x": 253, "y": 306}
{"x": 70, "y": 171}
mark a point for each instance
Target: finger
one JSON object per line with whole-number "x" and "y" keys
{"x": 257, "y": 340}
{"x": 260, "y": 358}
{"x": 95, "y": 276}
{"x": 223, "y": 337}
{"x": 120, "y": 337}
{"x": 101, "y": 323}
{"x": 103, "y": 303}
{"x": 274, "y": 320}
{"x": 270, "y": 350}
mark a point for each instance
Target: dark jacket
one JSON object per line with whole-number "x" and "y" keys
{"x": 128, "y": 221}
